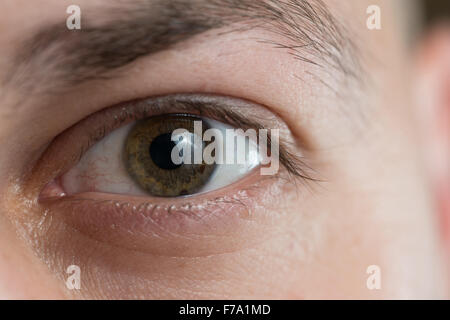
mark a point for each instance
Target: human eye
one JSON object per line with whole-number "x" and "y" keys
{"x": 112, "y": 176}
{"x": 137, "y": 158}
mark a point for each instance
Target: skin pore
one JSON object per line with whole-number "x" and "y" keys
{"x": 348, "y": 109}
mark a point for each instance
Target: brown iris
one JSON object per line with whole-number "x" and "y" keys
{"x": 147, "y": 157}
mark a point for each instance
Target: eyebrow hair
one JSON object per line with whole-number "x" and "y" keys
{"x": 60, "y": 58}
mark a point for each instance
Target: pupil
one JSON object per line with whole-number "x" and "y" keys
{"x": 160, "y": 152}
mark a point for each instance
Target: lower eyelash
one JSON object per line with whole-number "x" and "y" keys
{"x": 153, "y": 211}
{"x": 146, "y": 207}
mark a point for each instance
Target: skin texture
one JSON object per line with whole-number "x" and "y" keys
{"x": 379, "y": 147}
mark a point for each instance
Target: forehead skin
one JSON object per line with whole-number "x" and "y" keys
{"x": 371, "y": 210}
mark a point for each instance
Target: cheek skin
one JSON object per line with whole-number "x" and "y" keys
{"x": 152, "y": 275}
{"x": 22, "y": 274}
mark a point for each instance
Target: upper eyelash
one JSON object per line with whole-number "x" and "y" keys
{"x": 294, "y": 164}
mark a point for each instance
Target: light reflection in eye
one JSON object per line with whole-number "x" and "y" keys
{"x": 148, "y": 157}
{"x": 135, "y": 160}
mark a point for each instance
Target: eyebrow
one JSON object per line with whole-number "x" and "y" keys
{"x": 56, "y": 58}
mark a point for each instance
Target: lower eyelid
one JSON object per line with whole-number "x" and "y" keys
{"x": 185, "y": 228}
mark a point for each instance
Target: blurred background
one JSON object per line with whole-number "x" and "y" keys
{"x": 436, "y": 11}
